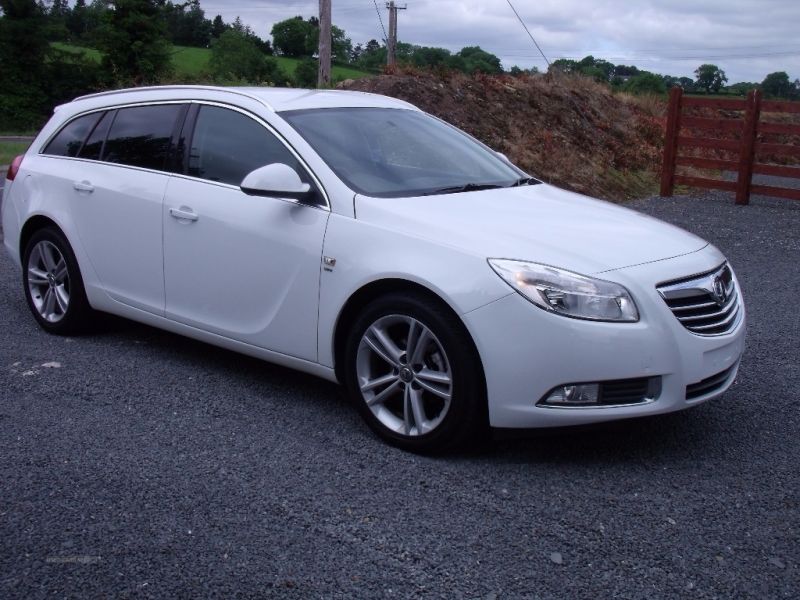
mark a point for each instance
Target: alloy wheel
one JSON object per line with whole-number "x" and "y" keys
{"x": 48, "y": 281}
{"x": 404, "y": 375}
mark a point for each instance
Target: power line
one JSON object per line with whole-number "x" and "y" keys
{"x": 666, "y": 57}
{"x": 385, "y": 37}
{"x": 528, "y": 32}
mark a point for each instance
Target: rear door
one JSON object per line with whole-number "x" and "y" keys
{"x": 117, "y": 201}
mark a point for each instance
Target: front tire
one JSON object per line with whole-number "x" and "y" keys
{"x": 52, "y": 284}
{"x": 414, "y": 374}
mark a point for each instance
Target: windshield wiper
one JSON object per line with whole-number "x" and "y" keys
{"x": 467, "y": 187}
{"x": 525, "y": 181}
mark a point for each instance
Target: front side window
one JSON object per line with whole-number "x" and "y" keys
{"x": 69, "y": 140}
{"x": 227, "y": 145}
{"x": 140, "y": 136}
{"x": 388, "y": 152}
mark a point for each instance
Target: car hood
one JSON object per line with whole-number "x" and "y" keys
{"x": 538, "y": 223}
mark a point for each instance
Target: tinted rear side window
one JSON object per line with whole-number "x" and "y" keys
{"x": 140, "y": 136}
{"x": 227, "y": 145}
{"x": 69, "y": 140}
{"x": 94, "y": 145}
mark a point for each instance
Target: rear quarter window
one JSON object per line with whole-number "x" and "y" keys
{"x": 94, "y": 144}
{"x": 69, "y": 140}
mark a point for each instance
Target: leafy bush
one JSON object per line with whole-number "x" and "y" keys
{"x": 235, "y": 57}
{"x": 645, "y": 83}
{"x": 305, "y": 74}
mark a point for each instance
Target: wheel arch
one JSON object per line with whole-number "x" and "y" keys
{"x": 373, "y": 290}
{"x": 34, "y": 224}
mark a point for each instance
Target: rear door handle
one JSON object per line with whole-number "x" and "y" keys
{"x": 83, "y": 186}
{"x": 184, "y": 213}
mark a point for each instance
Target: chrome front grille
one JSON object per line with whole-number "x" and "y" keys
{"x": 706, "y": 304}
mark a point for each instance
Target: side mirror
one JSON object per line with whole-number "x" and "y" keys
{"x": 277, "y": 180}
{"x": 501, "y": 155}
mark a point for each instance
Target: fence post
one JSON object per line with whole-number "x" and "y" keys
{"x": 747, "y": 151}
{"x": 671, "y": 141}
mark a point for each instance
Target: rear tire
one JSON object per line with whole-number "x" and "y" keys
{"x": 414, "y": 374}
{"x": 53, "y": 285}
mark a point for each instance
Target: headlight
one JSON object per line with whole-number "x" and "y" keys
{"x": 567, "y": 293}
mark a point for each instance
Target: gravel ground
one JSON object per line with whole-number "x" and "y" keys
{"x": 138, "y": 463}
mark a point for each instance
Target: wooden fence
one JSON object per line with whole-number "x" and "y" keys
{"x": 749, "y": 148}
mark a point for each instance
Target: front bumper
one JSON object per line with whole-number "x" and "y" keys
{"x": 526, "y": 351}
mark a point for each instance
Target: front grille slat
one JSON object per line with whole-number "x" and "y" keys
{"x": 699, "y": 303}
{"x": 721, "y": 311}
{"x": 693, "y": 306}
{"x": 718, "y": 324}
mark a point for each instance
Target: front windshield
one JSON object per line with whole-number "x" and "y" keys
{"x": 389, "y": 152}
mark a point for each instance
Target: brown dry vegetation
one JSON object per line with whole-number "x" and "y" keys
{"x": 569, "y": 131}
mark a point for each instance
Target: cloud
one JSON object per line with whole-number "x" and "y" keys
{"x": 746, "y": 38}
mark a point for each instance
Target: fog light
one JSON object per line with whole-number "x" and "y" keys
{"x": 570, "y": 395}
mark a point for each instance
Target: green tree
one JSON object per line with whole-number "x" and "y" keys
{"x": 289, "y": 37}
{"x": 777, "y": 85}
{"x": 426, "y": 56}
{"x": 625, "y": 71}
{"x": 218, "y": 27}
{"x": 373, "y": 56}
{"x": 24, "y": 48}
{"x": 477, "y": 59}
{"x": 305, "y": 74}
{"x": 58, "y": 16}
{"x": 687, "y": 83}
{"x": 645, "y": 83}
{"x": 563, "y": 65}
{"x": 35, "y": 75}
{"x": 133, "y": 40}
{"x": 76, "y": 22}
{"x": 710, "y": 78}
{"x": 516, "y": 71}
{"x": 341, "y": 46}
{"x": 596, "y": 68}
{"x": 94, "y": 20}
{"x": 236, "y": 57}
{"x": 187, "y": 24}
{"x": 741, "y": 88}
{"x": 356, "y": 52}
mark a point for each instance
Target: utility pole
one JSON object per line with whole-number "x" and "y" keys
{"x": 324, "y": 74}
{"x": 391, "y": 43}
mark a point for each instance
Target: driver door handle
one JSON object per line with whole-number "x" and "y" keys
{"x": 184, "y": 213}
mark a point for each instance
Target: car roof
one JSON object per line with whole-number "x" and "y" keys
{"x": 274, "y": 99}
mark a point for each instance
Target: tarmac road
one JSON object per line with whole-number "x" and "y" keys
{"x": 136, "y": 463}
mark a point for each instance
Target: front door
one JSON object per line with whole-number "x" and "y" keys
{"x": 244, "y": 267}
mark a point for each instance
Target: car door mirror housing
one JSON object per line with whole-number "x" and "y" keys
{"x": 277, "y": 180}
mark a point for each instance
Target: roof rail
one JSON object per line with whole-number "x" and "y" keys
{"x": 213, "y": 88}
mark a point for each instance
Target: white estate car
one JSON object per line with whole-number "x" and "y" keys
{"x": 356, "y": 238}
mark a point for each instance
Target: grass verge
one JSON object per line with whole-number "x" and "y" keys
{"x": 192, "y": 62}
{"x": 8, "y": 150}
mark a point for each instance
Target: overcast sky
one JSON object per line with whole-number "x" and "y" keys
{"x": 746, "y": 38}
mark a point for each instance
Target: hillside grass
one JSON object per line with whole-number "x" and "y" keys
{"x": 8, "y": 150}
{"x": 192, "y": 62}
